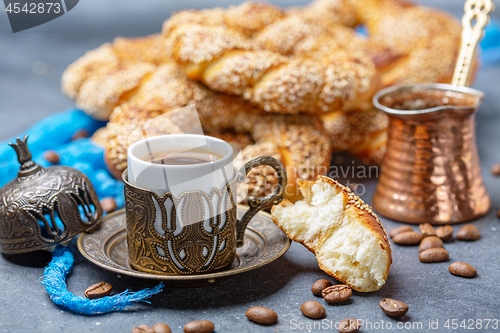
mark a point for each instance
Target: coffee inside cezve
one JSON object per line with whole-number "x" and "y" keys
{"x": 421, "y": 99}
{"x": 181, "y": 158}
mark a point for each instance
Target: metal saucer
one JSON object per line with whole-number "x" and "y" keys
{"x": 264, "y": 242}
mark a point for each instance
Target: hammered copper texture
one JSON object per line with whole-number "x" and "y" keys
{"x": 107, "y": 248}
{"x": 431, "y": 171}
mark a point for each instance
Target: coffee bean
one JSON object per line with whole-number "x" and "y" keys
{"x": 337, "y": 293}
{"x": 495, "y": 169}
{"x": 427, "y": 229}
{"x": 462, "y": 269}
{"x": 430, "y": 242}
{"x": 498, "y": 213}
{"x": 408, "y": 238}
{"x": 108, "y": 204}
{"x": 161, "y": 328}
{"x": 98, "y": 290}
{"x": 393, "y": 308}
{"x": 319, "y": 285}
{"x": 313, "y": 309}
{"x": 468, "y": 232}
{"x": 445, "y": 232}
{"x": 349, "y": 325}
{"x": 399, "y": 230}
{"x": 435, "y": 254}
{"x": 143, "y": 329}
{"x": 199, "y": 326}
{"x": 51, "y": 156}
{"x": 262, "y": 315}
{"x": 80, "y": 134}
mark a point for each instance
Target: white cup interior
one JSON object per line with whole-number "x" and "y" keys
{"x": 180, "y": 178}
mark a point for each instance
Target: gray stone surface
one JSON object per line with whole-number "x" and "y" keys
{"x": 431, "y": 292}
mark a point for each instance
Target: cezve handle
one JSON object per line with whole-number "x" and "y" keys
{"x": 478, "y": 11}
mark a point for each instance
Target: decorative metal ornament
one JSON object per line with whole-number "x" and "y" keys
{"x": 108, "y": 249}
{"x": 195, "y": 232}
{"x": 475, "y": 11}
{"x": 44, "y": 207}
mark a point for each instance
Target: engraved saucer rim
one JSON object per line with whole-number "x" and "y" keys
{"x": 210, "y": 277}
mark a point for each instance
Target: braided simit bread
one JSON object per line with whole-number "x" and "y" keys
{"x": 117, "y": 75}
{"x": 299, "y": 141}
{"x": 361, "y": 133}
{"x": 109, "y": 75}
{"x": 421, "y": 44}
{"x": 227, "y": 62}
{"x": 407, "y": 44}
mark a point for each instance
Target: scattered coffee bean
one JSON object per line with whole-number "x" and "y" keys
{"x": 349, "y": 325}
{"x": 462, "y": 269}
{"x": 468, "y": 232}
{"x": 399, "y": 230}
{"x": 51, "y": 156}
{"x": 498, "y": 213}
{"x": 393, "y": 308}
{"x": 161, "y": 328}
{"x": 430, "y": 242}
{"x": 445, "y": 232}
{"x": 143, "y": 329}
{"x": 313, "y": 310}
{"x": 98, "y": 290}
{"x": 337, "y": 293}
{"x": 427, "y": 229}
{"x": 495, "y": 169}
{"x": 319, "y": 285}
{"x": 435, "y": 254}
{"x": 262, "y": 315}
{"x": 108, "y": 204}
{"x": 80, "y": 134}
{"x": 199, "y": 326}
{"x": 408, "y": 238}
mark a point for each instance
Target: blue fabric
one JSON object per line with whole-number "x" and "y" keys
{"x": 490, "y": 45}
{"x": 361, "y": 29}
{"x": 54, "y": 280}
{"x": 54, "y": 133}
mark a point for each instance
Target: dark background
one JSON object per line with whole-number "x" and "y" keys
{"x": 31, "y": 64}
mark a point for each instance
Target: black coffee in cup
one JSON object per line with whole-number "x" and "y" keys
{"x": 181, "y": 158}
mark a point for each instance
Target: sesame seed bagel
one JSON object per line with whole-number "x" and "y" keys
{"x": 347, "y": 238}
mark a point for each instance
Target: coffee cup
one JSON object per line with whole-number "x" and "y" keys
{"x": 180, "y": 202}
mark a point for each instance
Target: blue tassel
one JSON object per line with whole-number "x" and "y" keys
{"x": 54, "y": 280}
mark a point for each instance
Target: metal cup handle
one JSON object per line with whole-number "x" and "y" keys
{"x": 256, "y": 204}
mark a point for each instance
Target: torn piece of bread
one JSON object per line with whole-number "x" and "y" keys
{"x": 347, "y": 238}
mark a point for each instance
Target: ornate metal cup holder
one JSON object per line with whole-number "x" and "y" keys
{"x": 194, "y": 232}
{"x": 107, "y": 248}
